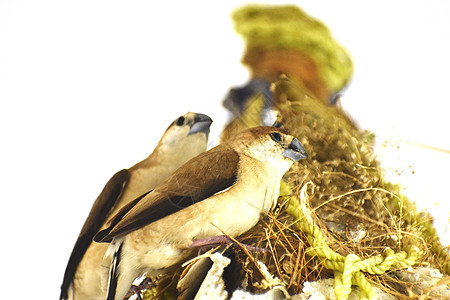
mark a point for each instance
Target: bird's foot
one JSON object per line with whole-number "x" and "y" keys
{"x": 221, "y": 240}
{"x": 146, "y": 284}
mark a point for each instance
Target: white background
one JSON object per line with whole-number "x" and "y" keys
{"x": 88, "y": 87}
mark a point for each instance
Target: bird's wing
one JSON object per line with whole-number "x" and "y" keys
{"x": 97, "y": 216}
{"x": 201, "y": 177}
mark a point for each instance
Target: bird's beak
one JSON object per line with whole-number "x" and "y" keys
{"x": 295, "y": 151}
{"x": 201, "y": 124}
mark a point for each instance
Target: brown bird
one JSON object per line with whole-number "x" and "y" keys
{"x": 86, "y": 274}
{"x": 228, "y": 188}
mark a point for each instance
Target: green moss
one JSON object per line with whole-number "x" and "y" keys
{"x": 288, "y": 27}
{"x": 346, "y": 174}
{"x": 420, "y": 223}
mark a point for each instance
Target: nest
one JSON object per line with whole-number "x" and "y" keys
{"x": 357, "y": 211}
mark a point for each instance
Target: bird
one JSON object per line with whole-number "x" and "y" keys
{"x": 236, "y": 99}
{"x": 223, "y": 190}
{"x": 86, "y": 274}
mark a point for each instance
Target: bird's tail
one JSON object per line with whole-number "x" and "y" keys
{"x": 114, "y": 270}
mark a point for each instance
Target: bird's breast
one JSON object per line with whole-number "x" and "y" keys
{"x": 232, "y": 212}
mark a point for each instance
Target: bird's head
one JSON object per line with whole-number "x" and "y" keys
{"x": 270, "y": 145}
{"x": 189, "y": 132}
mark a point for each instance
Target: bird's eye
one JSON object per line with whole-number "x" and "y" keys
{"x": 180, "y": 121}
{"x": 276, "y": 136}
